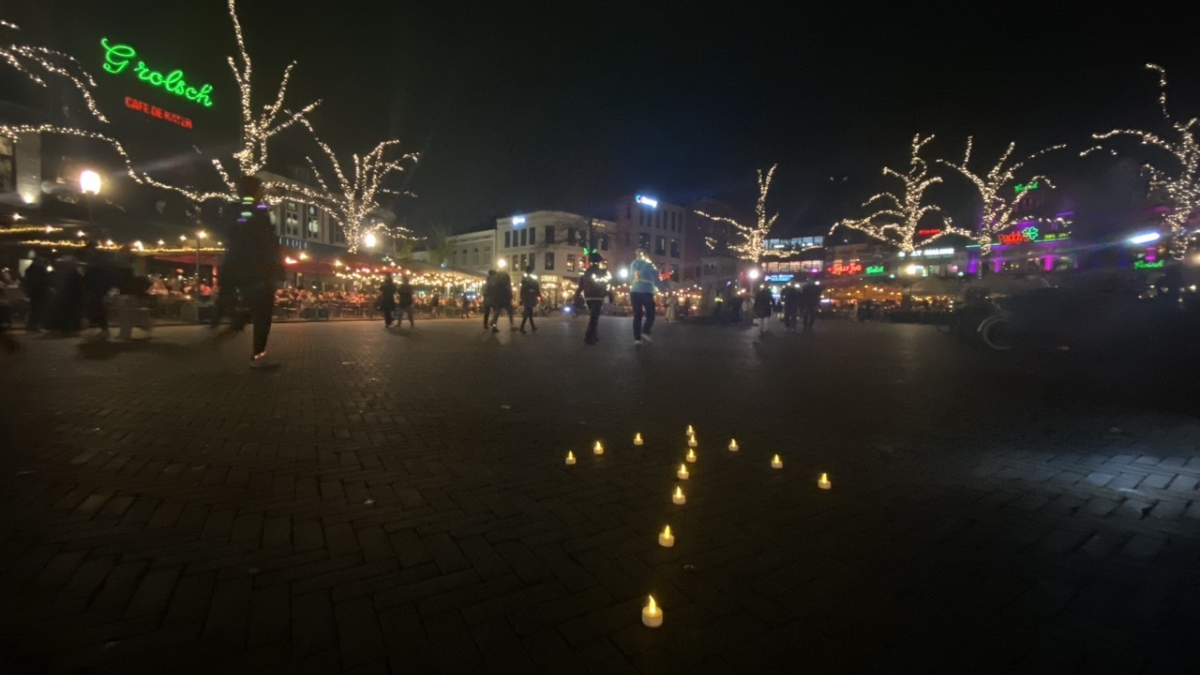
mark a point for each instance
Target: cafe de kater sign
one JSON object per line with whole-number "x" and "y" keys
{"x": 118, "y": 57}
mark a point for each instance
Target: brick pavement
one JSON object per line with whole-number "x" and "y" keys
{"x": 399, "y": 501}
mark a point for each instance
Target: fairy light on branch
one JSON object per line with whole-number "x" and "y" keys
{"x": 1180, "y": 186}
{"x": 352, "y": 199}
{"x": 899, "y": 219}
{"x": 749, "y": 241}
{"x": 37, "y": 62}
{"x": 258, "y": 129}
{"x": 1000, "y": 203}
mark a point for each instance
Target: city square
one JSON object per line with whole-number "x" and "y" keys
{"x": 400, "y": 499}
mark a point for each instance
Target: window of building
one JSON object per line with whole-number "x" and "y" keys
{"x": 570, "y": 236}
{"x": 660, "y": 246}
{"x": 644, "y": 240}
{"x": 524, "y": 237}
{"x": 512, "y": 264}
{"x": 675, "y": 252}
{"x": 524, "y": 261}
{"x": 629, "y": 211}
{"x": 474, "y": 256}
{"x": 641, "y": 217}
{"x": 674, "y": 272}
{"x": 507, "y": 239}
{"x": 8, "y": 164}
{"x": 549, "y": 260}
{"x": 570, "y": 262}
{"x": 549, "y": 234}
{"x": 532, "y": 236}
{"x": 604, "y": 242}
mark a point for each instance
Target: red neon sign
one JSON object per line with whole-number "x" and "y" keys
{"x": 838, "y": 269}
{"x": 928, "y": 233}
{"x": 155, "y": 111}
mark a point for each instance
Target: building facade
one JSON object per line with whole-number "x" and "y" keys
{"x": 472, "y": 251}
{"x": 656, "y": 226}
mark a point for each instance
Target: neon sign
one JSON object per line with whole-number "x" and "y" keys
{"x": 518, "y": 220}
{"x": 928, "y": 233}
{"x": 839, "y": 269}
{"x": 155, "y": 111}
{"x": 1025, "y": 236}
{"x": 778, "y": 278}
{"x": 652, "y": 203}
{"x": 875, "y": 269}
{"x": 1025, "y": 187}
{"x": 1145, "y": 265}
{"x": 117, "y": 58}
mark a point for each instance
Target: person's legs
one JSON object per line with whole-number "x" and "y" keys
{"x": 638, "y": 310}
{"x": 593, "y": 320}
{"x": 387, "y": 317}
{"x": 261, "y": 305}
{"x": 409, "y": 311}
{"x": 487, "y": 310}
{"x": 650, "y": 310}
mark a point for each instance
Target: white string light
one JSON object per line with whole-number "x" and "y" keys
{"x": 351, "y": 201}
{"x": 34, "y": 62}
{"x": 750, "y": 242}
{"x": 1000, "y": 203}
{"x": 257, "y": 130}
{"x": 1179, "y": 187}
{"x": 902, "y": 219}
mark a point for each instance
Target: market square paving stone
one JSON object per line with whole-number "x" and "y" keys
{"x": 398, "y": 500}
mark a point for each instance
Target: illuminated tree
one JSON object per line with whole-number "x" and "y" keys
{"x": 999, "y": 191}
{"x": 39, "y": 62}
{"x": 352, "y": 199}
{"x": 898, "y": 222}
{"x": 749, "y": 242}
{"x": 1178, "y": 187}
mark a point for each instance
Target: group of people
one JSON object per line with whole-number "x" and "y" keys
{"x": 498, "y": 298}
{"x": 388, "y": 292}
{"x": 799, "y": 299}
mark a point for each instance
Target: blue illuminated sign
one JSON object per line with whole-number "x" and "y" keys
{"x": 518, "y": 220}
{"x": 652, "y": 203}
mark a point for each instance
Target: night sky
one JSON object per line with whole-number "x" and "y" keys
{"x": 520, "y": 105}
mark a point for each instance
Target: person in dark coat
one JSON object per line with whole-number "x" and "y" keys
{"x": 98, "y": 278}
{"x": 502, "y": 298}
{"x": 387, "y": 299}
{"x": 810, "y": 297}
{"x": 405, "y": 291}
{"x": 67, "y": 281}
{"x": 791, "y": 304}
{"x": 531, "y": 294}
{"x": 486, "y": 297}
{"x": 594, "y": 287}
{"x": 764, "y": 305}
{"x": 37, "y": 288}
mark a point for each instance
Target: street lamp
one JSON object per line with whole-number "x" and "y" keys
{"x": 199, "y": 235}
{"x": 369, "y": 240}
{"x": 89, "y": 185}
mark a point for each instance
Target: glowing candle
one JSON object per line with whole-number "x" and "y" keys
{"x": 824, "y": 483}
{"x": 776, "y": 463}
{"x": 733, "y": 446}
{"x": 652, "y": 614}
{"x": 599, "y": 449}
{"x": 692, "y": 442}
{"x": 666, "y": 539}
{"x": 683, "y": 472}
{"x": 691, "y": 456}
{"x": 637, "y": 440}
{"x": 690, "y": 432}
{"x": 678, "y": 497}
{"x": 570, "y": 458}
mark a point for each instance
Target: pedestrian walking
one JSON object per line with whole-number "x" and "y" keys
{"x": 36, "y": 283}
{"x": 252, "y": 270}
{"x": 435, "y": 306}
{"x": 672, "y": 314}
{"x": 405, "y": 292}
{"x": 387, "y": 299}
{"x": 67, "y": 281}
{"x": 531, "y": 295}
{"x": 764, "y": 305}
{"x": 810, "y": 303}
{"x": 791, "y": 304}
{"x": 594, "y": 287}
{"x": 502, "y": 299}
{"x": 98, "y": 278}
{"x": 486, "y": 297}
{"x": 642, "y": 286}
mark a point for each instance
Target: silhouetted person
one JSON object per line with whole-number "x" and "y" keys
{"x": 764, "y": 304}
{"x": 68, "y": 296}
{"x": 531, "y": 294}
{"x": 791, "y": 296}
{"x": 37, "y": 288}
{"x": 643, "y": 283}
{"x": 810, "y": 303}
{"x": 502, "y": 299}
{"x": 98, "y": 278}
{"x": 387, "y": 299}
{"x": 594, "y": 287}
{"x": 486, "y": 297}
{"x": 405, "y": 291}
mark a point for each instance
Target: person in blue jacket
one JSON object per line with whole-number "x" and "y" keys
{"x": 643, "y": 282}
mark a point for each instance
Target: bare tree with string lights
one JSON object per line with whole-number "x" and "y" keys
{"x": 900, "y": 217}
{"x": 40, "y": 63}
{"x": 749, "y": 242}
{"x": 1179, "y": 187}
{"x": 351, "y": 200}
{"x": 1001, "y": 194}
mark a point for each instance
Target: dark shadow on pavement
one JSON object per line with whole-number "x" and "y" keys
{"x": 111, "y": 348}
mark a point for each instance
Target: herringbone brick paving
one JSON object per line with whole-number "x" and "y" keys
{"x": 399, "y": 501}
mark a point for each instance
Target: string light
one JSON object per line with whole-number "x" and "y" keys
{"x": 351, "y": 201}
{"x": 905, "y": 214}
{"x": 751, "y": 244}
{"x": 1179, "y": 187}
{"x": 999, "y": 208}
{"x": 30, "y": 60}
{"x": 257, "y": 130}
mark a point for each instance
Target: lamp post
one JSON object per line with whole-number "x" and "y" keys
{"x": 199, "y": 235}
{"x": 89, "y": 185}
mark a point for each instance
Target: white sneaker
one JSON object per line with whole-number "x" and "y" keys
{"x": 262, "y": 361}
{"x": 637, "y": 342}
{"x": 646, "y": 337}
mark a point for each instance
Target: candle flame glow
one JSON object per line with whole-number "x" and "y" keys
{"x": 678, "y": 492}
{"x": 652, "y": 608}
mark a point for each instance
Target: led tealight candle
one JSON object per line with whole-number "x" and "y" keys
{"x": 678, "y": 497}
{"x": 570, "y": 458}
{"x": 824, "y": 483}
{"x": 691, "y": 456}
{"x": 690, "y": 432}
{"x": 599, "y": 449}
{"x": 666, "y": 539}
{"x": 652, "y": 614}
{"x": 637, "y": 439}
{"x": 733, "y": 446}
{"x": 683, "y": 472}
{"x": 776, "y": 463}
{"x": 692, "y": 442}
